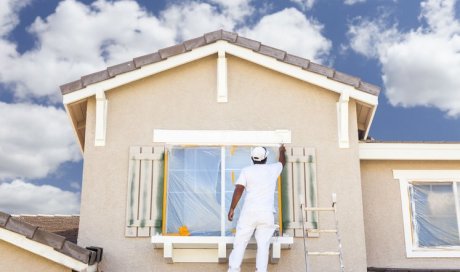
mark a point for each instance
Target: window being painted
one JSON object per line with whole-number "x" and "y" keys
{"x": 435, "y": 214}
{"x": 194, "y": 180}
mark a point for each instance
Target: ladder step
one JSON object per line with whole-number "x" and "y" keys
{"x": 323, "y": 253}
{"x": 322, "y": 230}
{"x": 319, "y": 209}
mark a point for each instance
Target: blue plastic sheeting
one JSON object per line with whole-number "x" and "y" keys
{"x": 434, "y": 214}
{"x": 194, "y": 188}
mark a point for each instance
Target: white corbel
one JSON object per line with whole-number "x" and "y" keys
{"x": 221, "y": 77}
{"x": 342, "y": 120}
{"x": 101, "y": 118}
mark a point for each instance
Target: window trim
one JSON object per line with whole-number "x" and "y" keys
{"x": 405, "y": 178}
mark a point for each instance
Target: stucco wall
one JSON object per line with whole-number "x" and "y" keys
{"x": 15, "y": 259}
{"x": 383, "y": 215}
{"x": 185, "y": 98}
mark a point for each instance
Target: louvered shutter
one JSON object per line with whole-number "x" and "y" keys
{"x": 299, "y": 185}
{"x": 145, "y": 191}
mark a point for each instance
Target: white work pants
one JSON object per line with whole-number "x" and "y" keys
{"x": 262, "y": 223}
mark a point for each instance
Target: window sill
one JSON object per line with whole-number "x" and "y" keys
{"x": 433, "y": 253}
{"x": 210, "y": 248}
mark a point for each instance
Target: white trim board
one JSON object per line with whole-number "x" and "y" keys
{"x": 405, "y": 177}
{"x": 409, "y": 151}
{"x": 44, "y": 251}
{"x": 221, "y": 137}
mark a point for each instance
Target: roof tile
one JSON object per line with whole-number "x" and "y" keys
{"x": 369, "y": 88}
{"x": 229, "y": 36}
{"x": 53, "y": 240}
{"x": 76, "y": 252}
{"x": 194, "y": 43}
{"x": 248, "y": 43}
{"x": 320, "y": 69}
{"x": 21, "y": 227}
{"x": 4, "y": 219}
{"x": 347, "y": 79}
{"x": 71, "y": 86}
{"x": 121, "y": 68}
{"x": 272, "y": 52}
{"x": 147, "y": 59}
{"x": 171, "y": 51}
{"x": 95, "y": 77}
{"x": 213, "y": 36}
{"x": 297, "y": 61}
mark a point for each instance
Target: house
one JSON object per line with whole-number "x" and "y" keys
{"x": 164, "y": 136}
{"x": 44, "y": 243}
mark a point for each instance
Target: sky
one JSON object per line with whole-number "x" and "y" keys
{"x": 411, "y": 49}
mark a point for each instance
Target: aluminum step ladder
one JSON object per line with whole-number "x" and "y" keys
{"x": 307, "y": 253}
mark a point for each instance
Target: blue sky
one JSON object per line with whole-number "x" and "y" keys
{"x": 411, "y": 49}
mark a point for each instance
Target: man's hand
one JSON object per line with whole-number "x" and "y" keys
{"x": 282, "y": 149}
{"x": 230, "y": 214}
{"x": 282, "y": 158}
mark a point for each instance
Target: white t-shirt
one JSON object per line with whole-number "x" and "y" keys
{"x": 259, "y": 181}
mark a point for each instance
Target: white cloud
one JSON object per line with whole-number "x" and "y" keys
{"x": 19, "y": 197}
{"x": 34, "y": 140}
{"x": 8, "y": 14}
{"x": 352, "y": 2}
{"x": 305, "y": 4}
{"x": 420, "y": 67}
{"x": 290, "y": 30}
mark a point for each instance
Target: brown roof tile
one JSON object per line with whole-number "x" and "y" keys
{"x": 210, "y": 38}
{"x": 94, "y": 77}
{"x": 194, "y": 43}
{"x": 320, "y": 69}
{"x": 121, "y": 68}
{"x": 147, "y": 59}
{"x": 46, "y": 231}
{"x": 297, "y": 61}
{"x": 272, "y": 52}
{"x": 171, "y": 51}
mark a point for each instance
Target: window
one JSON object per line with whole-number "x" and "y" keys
{"x": 199, "y": 188}
{"x": 431, "y": 210}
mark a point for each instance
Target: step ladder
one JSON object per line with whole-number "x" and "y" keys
{"x": 307, "y": 253}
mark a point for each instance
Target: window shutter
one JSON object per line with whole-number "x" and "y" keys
{"x": 145, "y": 191}
{"x": 299, "y": 186}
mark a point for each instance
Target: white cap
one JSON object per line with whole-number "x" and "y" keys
{"x": 259, "y": 153}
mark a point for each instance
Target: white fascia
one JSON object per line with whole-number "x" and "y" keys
{"x": 342, "y": 120}
{"x": 222, "y": 137}
{"x": 44, "y": 251}
{"x": 405, "y": 177}
{"x": 409, "y": 151}
{"x": 222, "y": 95}
{"x": 101, "y": 119}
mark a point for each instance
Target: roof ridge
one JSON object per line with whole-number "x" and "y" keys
{"x": 57, "y": 242}
{"x": 211, "y": 37}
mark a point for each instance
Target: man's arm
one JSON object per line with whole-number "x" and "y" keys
{"x": 239, "y": 189}
{"x": 282, "y": 151}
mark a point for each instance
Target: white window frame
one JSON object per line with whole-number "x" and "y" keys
{"x": 406, "y": 177}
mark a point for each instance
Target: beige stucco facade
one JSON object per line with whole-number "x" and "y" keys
{"x": 185, "y": 98}
{"x": 15, "y": 259}
{"x": 383, "y": 216}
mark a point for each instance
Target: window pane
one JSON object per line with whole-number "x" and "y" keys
{"x": 193, "y": 177}
{"x": 434, "y": 214}
{"x": 236, "y": 159}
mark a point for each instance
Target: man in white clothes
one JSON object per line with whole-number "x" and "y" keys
{"x": 259, "y": 181}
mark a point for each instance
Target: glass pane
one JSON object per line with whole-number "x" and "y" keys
{"x": 236, "y": 158}
{"x": 193, "y": 179}
{"x": 434, "y": 214}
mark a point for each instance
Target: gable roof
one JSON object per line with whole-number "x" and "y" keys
{"x": 76, "y": 93}
{"x": 47, "y": 244}
{"x": 213, "y": 37}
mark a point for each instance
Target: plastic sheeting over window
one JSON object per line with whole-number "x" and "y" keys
{"x": 194, "y": 188}
{"x": 434, "y": 214}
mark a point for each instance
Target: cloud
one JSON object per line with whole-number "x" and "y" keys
{"x": 420, "y": 67}
{"x": 290, "y": 30}
{"x": 352, "y": 2}
{"x": 20, "y": 197}
{"x": 305, "y": 4}
{"x": 9, "y": 14}
{"x": 34, "y": 140}
{"x": 101, "y": 39}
